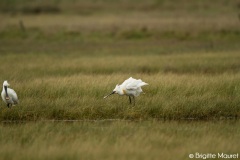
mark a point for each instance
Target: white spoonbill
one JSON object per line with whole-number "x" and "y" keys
{"x": 130, "y": 87}
{"x": 9, "y": 96}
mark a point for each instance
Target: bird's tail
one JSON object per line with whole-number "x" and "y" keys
{"x": 142, "y": 84}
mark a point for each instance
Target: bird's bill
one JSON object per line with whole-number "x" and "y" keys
{"x": 7, "y": 98}
{"x": 109, "y": 94}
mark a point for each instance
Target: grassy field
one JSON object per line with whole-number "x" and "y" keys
{"x": 117, "y": 140}
{"x": 169, "y": 96}
{"x": 62, "y": 57}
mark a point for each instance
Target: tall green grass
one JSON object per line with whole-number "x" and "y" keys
{"x": 50, "y": 90}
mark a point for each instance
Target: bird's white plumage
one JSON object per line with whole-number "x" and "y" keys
{"x": 12, "y": 98}
{"x": 130, "y": 87}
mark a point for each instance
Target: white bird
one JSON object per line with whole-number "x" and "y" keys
{"x": 130, "y": 87}
{"x": 9, "y": 96}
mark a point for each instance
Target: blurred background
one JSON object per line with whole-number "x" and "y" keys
{"x": 112, "y": 26}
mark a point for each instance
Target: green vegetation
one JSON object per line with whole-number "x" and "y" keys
{"x": 117, "y": 140}
{"x": 62, "y": 57}
{"x": 62, "y": 64}
{"x": 61, "y": 95}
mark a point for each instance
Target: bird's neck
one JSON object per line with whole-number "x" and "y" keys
{"x": 122, "y": 91}
{"x": 5, "y": 89}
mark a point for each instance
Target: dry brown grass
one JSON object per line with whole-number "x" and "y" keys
{"x": 120, "y": 22}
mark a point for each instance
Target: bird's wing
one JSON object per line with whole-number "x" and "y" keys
{"x": 131, "y": 87}
{"x": 3, "y": 97}
{"x": 142, "y": 84}
{"x": 13, "y": 94}
{"x": 135, "y": 84}
{"x": 127, "y": 81}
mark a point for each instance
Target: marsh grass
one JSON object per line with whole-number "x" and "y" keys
{"x": 117, "y": 140}
{"x": 117, "y": 6}
{"x": 62, "y": 57}
{"x": 169, "y": 96}
{"x": 65, "y": 76}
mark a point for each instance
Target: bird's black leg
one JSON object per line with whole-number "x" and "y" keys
{"x": 130, "y": 99}
{"x": 8, "y": 105}
{"x": 133, "y": 101}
